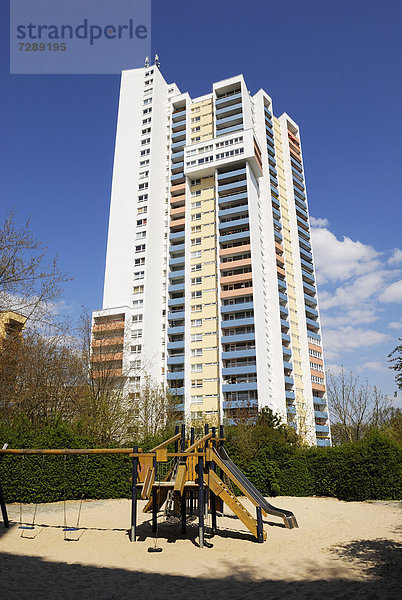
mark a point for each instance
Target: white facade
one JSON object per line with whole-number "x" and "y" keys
{"x": 209, "y": 253}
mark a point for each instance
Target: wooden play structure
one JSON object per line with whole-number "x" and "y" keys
{"x": 195, "y": 479}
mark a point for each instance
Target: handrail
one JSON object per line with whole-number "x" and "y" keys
{"x": 201, "y": 441}
{"x": 167, "y": 442}
{"x": 66, "y": 451}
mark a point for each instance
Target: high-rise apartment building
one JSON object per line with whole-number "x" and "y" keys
{"x": 209, "y": 282}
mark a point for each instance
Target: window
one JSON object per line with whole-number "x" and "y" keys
{"x": 196, "y": 267}
{"x": 138, "y": 289}
{"x": 196, "y": 322}
{"x": 145, "y": 141}
{"x": 196, "y": 400}
{"x": 139, "y": 275}
{"x": 138, "y": 262}
{"x": 140, "y": 248}
{"x": 145, "y": 131}
{"x": 196, "y": 242}
{"x": 146, "y": 121}
{"x": 142, "y": 210}
{"x": 148, "y": 81}
{"x": 196, "y": 280}
{"x": 143, "y": 186}
{"x": 196, "y": 182}
{"x": 196, "y": 139}
{"x": 196, "y": 352}
{"x": 196, "y": 217}
{"x": 137, "y": 318}
{"x": 196, "y": 294}
{"x": 136, "y": 349}
{"x": 196, "y": 383}
{"x": 136, "y": 333}
{"x": 140, "y": 235}
{"x": 194, "y": 129}
{"x": 196, "y": 308}
{"x": 144, "y": 163}
{"x": 196, "y": 337}
{"x": 147, "y": 101}
{"x": 146, "y": 111}
{"x": 196, "y": 254}
{"x": 143, "y": 198}
{"x": 196, "y": 193}
{"x": 135, "y": 364}
{"x": 196, "y": 204}
{"x": 196, "y": 368}
{"x": 141, "y": 222}
{"x": 195, "y": 119}
{"x": 145, "y": 152}
{"x": 138, "y": 303}
{"x": 196, "y": 229}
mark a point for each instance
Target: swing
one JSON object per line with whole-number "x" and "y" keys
{"x": 66, "y": 528}
{"x": 21, "y": 521}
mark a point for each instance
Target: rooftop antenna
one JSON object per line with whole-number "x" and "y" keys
{"x": 157, "y": 63}
{"x": 146, "y": 62}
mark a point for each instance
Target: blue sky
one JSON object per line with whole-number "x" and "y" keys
{"x": 333, "y": 66}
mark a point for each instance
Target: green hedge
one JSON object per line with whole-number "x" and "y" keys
{"x": 366, "y": 470}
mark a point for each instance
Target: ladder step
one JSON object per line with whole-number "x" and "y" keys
{"x": 70, "y": 528}
{"x": 26, "y": 527}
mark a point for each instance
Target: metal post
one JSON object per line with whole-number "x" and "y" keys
{"x": 183, "y": 512}
{"x": 154, "y": 502}
{"x": 133, "y": 529}
{"x": 183, "y": 438}
{"x": 201, "y": 500}
{"x": 2, "y": 500}
{"x": 212, "y": 495}
{"x": 221, "y": 433}
{"x": 192, "y": 439}
{"x": 260, "y": 528}
{"x": 176, "y": 444}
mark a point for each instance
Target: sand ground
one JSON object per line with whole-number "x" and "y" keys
{"x": 340, "y": 550}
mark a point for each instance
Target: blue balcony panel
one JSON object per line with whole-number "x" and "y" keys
{"x": 236, "y": 210}
{"x": 179, "y": 260}
{"x": 312, "y": 323}
{"x": 234, "y": 236}
{"x": 173, "y": 178}
{"x": 288, "y": 380}
{"x": 178, "y": 165}
{"x": 239, "y": 370}
{"x": 232, "y": 198}
{"x": 291, "y": 409}
{"x": 322, "y": 429}
{"x": 285, "y": 324}
{"x": 232, "y": 186}
{"x": 323, "y": 442}
{"x": 179, "y": 144}
{"x": 176, "y": 315}
{"x": 175, "y": 330}
{"x": 179, "y": 134}
{"x": 234, "y": 173}
{"x": 176, "y": 288}
{"x": 244, "y": 337}
{"x": 235, "y": 223}
{"x": 229, "y": 129}
{"x": 222, "y": 101}
{"x": 290, "y": 395}
{"x": 286, "y": 337}
{"x": 314, "y": 335}
{"x": 239, "y": 354}
{"x": 237, "y": 323}
{"x": 175, "y": 345}
{"x": 176, "y": 274}
{"x": 175, "y": 301}
{"x": 178, "y": 235}
{"x": 307, "y": 275}
{"x": 320, "y": 401}
{"x": 278, "y": 236}
{"x": 221, "y": 111}
{"x": 305, "y": 234}
{"x": 234, "y": 404}
{"x": 282, "y": 284}
{"x": 282, "y": 297}
{"x": 173, "y": 249}
{"x": 179, "y": 123}
{"x": 177, "y": 359}
{"x": 287, "y": 365}
{"x": 176, "y": 391}
{"x": 320, "y": 414}
{"x": 175, "y": 375}
{"x": 309, "y": 300}
{"x": 239, "y": 387}
{"x": 311, "y": 311}
{"x": 306, "y": 254}
{"x": 309, "y": 287}
{"x": 235, "y": 119}
{"x": 283, "y": 311}
{"x": 286, "y": 351}
{"x": 236, "y": 307}
{"x": 177, "y": 155}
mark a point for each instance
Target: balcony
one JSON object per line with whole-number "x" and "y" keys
{"x": 179, "y": 287}
{"x": 175, "y": 345}
{"x": 322, "y": 429}
{"x": 177, "y": 235}
{"x": 229, "y": 174}
{"x": 323, "y": 442}
{"x": 234, "y": 223}
{"x": 289, "y": 395}
{"x": 303, "y": 233}
{"x": 220, "y": 102}
{"x": 309, "y": 287}
{"x": 227, "y": 109}
{"x": 176, "y": 330}
{"x": 236, "y": 307}
{"x": 287, "y": 365}
{"x": 176, "y": 274}
{"x": 175, "y": 375}
{"x": 177, "y": 359}
{"x": 237, "y": 323}
{"x": 229, "y": 129}
{"x": 312, "y": 323}
{"x": 179, "y": 260}
{"x": 239, "y": 370}
{"x": 176, "y": 392}
{"x": 320, "y": 414}
{"x": 176, "y": 301}
{"x": 310, "y": 301}
{"x": 236, "y": 404}
{"x": 239, "y": 387}
{"x": 304, "y": 254}
{"x": 238, "y": 354}
{"x": 311, "y": 312}
{"x": 315, "y": 336}
{"x": 180, "y": 144}
{"x": 172, "y": 316}
{"x": 288, "y": 380}
{"x": 232, "y": 198}
{"x": 177, "y": 156}
{"x": 231, "y": 186}
{"x": 243, "y": 337}
{"x": 286, "y": 351}
{"x": 179, "y": 134}
{"x": 231, "y": 237}
{"x": 181, "y": 123}
{"x": 176, "y": 248}
{"x": 285, "y": 324}
{"x": 286, "y": 337}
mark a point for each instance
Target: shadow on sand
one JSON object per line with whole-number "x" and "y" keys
{"x": 24, "y": 577}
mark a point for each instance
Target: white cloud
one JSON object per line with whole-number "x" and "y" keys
{"x": 335, "y": 369}
{"x": 348, "y": 339}
{"x": 318, "y": 222}
{"x": 363, "y": 315}
{"x": 396, "y": 257}
{"x": 393, "y": 293}
{"x": 374, "y": 365}
{"x": 340, "y": 260}
{"x": 354, "y": 294}
{"x": 396, "y": 324}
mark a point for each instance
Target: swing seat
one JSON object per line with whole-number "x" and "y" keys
{"x": 26, "y": 527}
{"x": 70, "y": 528}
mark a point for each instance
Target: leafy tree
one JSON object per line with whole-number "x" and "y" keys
{"x": 395, "y": 358}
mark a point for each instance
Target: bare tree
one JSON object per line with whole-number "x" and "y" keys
{"x": 354, "y": 407}
{"x": 395, "y": 358}
{"x": 152, "y": 407}
{"x": 29, "y": 282}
